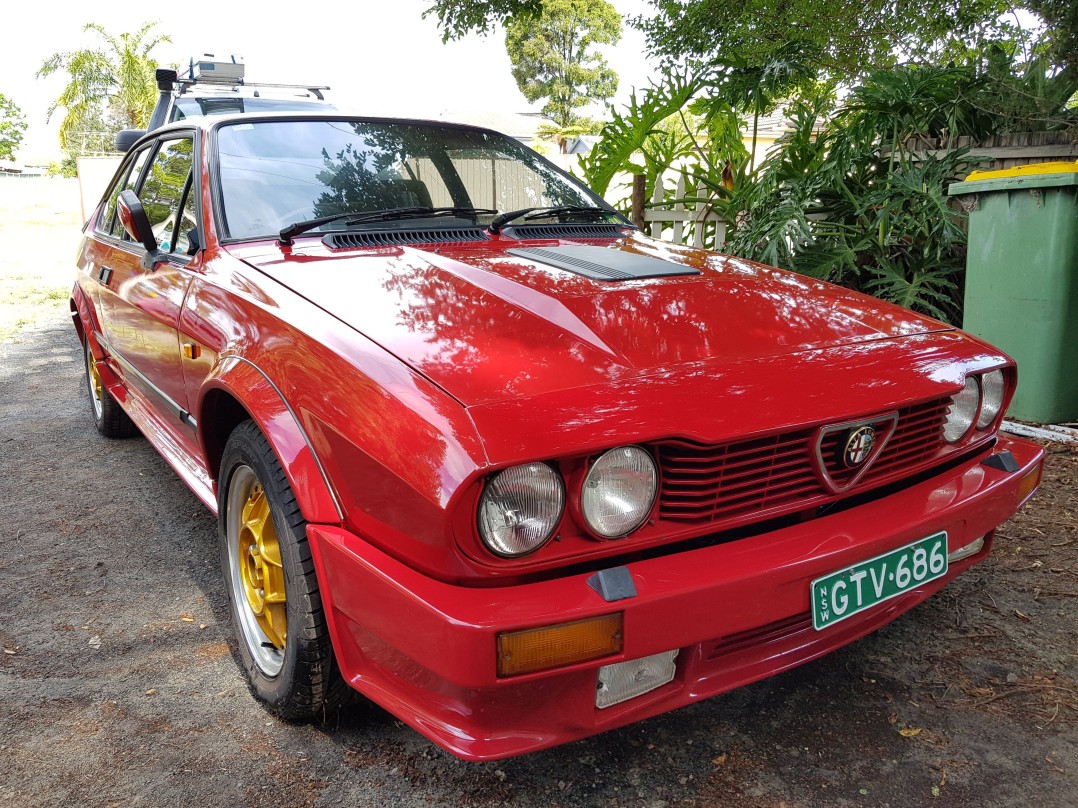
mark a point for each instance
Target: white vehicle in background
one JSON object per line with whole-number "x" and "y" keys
{"x": 208, "y": 87}
{"x": 211, "y": 86}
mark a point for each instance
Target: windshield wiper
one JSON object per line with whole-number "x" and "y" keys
{"x": 387, "y": 215}
{"x": 540, "y": 213}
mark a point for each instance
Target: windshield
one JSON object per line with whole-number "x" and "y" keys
{"x": 275, "y": 173}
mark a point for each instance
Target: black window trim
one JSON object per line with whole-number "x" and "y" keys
{"x": 194, "y": 185}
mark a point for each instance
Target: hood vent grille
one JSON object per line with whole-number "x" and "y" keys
{"x": 603, "y": 263}
{"x": 395, "y": 238}
{"x": 584, "y": 230}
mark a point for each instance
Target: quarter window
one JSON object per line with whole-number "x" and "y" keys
{"x": 182, "y": 242}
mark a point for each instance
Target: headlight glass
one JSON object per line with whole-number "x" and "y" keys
{"x": 520, "y": 509}
{"x": 992, "y": 387}
{"x": 619, "y": 491}
{"x": 963, "y": 411}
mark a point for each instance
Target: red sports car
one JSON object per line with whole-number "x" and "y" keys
{"x": 485, "y": 453}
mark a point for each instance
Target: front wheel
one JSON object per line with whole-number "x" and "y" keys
{"x": 283, "y": 643}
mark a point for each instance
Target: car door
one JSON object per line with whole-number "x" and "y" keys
{"x": 104, "y": 230}
{"x": 141, "y": 305}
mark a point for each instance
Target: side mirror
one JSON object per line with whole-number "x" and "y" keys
{"x": 126, "y": 138}
{"x": 137, "y": 224}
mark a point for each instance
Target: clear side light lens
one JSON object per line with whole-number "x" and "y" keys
{"x": 963, "y": 411}
{"x": 627, "y": 680}
{"x": 520, "y": 509}
{"x": 619, "y": 491}
{"x": 992, "y": 388}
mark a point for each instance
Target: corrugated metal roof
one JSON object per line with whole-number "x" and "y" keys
{"x": 520, "y": 125}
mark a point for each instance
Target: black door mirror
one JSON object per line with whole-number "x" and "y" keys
{"x": 126, "y": 138}
{"x": 133, "y": 217}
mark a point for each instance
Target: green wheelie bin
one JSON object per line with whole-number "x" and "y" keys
{"x": 1022, "y": 280}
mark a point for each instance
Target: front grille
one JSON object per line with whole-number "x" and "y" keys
{"x": 392, "y": 238}
{"x": 917, "y": 441}
{"x": 766, "y": 477}
{"x": 711, "y": 483}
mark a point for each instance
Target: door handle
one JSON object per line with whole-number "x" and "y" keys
{"x": 105, "y": 275}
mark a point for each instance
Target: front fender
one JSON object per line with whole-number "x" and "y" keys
{"x": 236, "y": 381}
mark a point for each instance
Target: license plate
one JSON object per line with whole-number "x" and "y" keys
{"x": 851, "y": 590}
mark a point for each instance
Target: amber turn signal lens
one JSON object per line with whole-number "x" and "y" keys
{"x": 1029, "y": 484}
{"x": 537, "y": 649}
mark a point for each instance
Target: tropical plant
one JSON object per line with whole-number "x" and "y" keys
{"x": 831, "y": 201}
{"x": 109, "y": 87}
{"x": 628, "y": 130}
{"x": 12, "y": 127}
{"x": 554, "y": 56}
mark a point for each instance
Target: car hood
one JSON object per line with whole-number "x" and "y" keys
{"x": 487, "y": 325}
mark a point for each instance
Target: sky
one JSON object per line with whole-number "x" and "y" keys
{"x": 379, "y": 57}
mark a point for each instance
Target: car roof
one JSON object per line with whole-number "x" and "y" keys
{"x": 206, "y": 123}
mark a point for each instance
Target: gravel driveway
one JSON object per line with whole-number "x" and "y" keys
{"x": 117, "y": 686}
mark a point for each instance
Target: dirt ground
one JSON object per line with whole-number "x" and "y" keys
{"x": 117, "y": 687}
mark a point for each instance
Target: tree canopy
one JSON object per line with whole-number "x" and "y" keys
{"x": 554, "y": 58}
{"x": 109, "y": 87}
{"x": 12, "y": 127}
{"x": 851, "y": 36}
{"x": 1061, "y": 23}
{"x": 457, "y": 18}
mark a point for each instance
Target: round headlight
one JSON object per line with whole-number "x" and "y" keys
{"x": 963, "y": 411}
{"x": 619, "y": 491}
{"x": 520, "y": 509}
{"x": 992, "y": 388}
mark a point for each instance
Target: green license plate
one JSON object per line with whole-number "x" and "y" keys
{"x": 851, "y": 590}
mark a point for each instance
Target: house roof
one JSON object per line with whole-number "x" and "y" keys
{"x": 774, "y": 125}
{"x": 519, "y": 125}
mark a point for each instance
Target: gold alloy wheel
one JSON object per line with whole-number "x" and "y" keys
{"x": 97, "y": 388}
{"x": 255, "y": 571}
{"x": 261, "y": 571}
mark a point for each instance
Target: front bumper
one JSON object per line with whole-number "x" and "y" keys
{"x": 738, "y": 612}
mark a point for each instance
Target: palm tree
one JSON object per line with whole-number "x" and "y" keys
{"x": 111, "y": 85}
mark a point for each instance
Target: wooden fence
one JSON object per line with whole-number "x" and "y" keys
{"x": 695, "y": 223}
{"x": 1004, "y": 151}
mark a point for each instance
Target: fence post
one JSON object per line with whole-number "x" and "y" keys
{"x": 679, "y": 207}
{"x": 639, "y": 199}
{"x": 657, "y": 198}
{"x": 698, "y": 219}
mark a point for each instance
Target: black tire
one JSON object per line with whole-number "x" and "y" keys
{"x": 109, "y": 417}
{"x": 298, "y": 678}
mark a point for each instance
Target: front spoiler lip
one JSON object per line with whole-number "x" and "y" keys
{"x": 424, "y": 649}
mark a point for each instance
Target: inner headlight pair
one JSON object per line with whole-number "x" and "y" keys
{"x": 522, "y": 506}
{"x": 979, "y": 401}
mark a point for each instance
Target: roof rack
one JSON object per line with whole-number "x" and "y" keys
{"x": 210, "y": 71}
